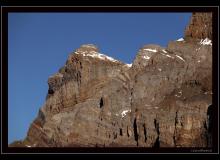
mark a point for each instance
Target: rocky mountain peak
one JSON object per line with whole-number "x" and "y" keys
{"x": 92, "y": 51}
{"x": 163, "y": 99}
{"x": 87, "y": 48}
{"x": 146, "y": 54}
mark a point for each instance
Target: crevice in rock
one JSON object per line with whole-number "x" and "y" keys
{"x": 128, "y": 132}
{"x": 156, "y": 125}
{"x": 157, "y": 142}
{"x": 210, "y": 113}
{"x": 80, "y": 65}
{"x": 131, "y": 102}
{"x": 135, "y": 131}
{"x": 101, "y": 103}
{"x": 50, "y": 91}
{"x": 175, "y": 123}
{"x": 206, "y": 133}
{"x": 51, "y": 107}
{"x": 120, "y": 131}
{"x": 145, "y": 133}
{"x": 78, "y": 78}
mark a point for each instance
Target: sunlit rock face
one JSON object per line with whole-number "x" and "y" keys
{"x": 163, "y": 99}
{"x": 200, "y": 26}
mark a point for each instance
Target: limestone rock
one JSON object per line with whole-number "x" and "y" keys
{"x": 163, "y": 100}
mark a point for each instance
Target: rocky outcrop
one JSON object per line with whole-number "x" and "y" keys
{"x": 200, "y": 26}
{"x": 162, "y": 100}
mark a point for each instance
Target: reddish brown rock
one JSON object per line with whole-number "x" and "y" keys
{"x": 200, "y": 26}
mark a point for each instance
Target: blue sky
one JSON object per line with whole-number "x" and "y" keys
{"x": 39, "y": 44}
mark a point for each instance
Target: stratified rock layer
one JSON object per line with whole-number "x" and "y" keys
{"x": 163, "y": 100}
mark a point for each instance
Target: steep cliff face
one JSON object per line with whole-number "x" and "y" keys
{"x": 162, "y": 100}
{"x": 200, "y": 26}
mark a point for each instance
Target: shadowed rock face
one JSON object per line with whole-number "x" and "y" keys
{"x": 162, "y": 100}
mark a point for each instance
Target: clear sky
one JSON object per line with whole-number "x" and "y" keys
{"x": 39, "y": 44}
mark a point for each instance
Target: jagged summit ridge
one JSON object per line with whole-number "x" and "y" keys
{"x": 88, "y": 48}
{"x": 91, "y": 50}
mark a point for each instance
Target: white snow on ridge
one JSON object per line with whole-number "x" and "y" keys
{"x": 164, "y": 51}
{"x": 125, "y": 112}
{"x": 151, "y": 50}
{"x": 83, "y": 53}
{"x": 180, "y": 58}
{"x": 129, "y": 65}
{"x": 167, "y": 55}
{"x": 206, "y": 42}
{"x": 179, "y": 40}
{"x": 146, "y": 57}
{"x": 97, "y": 55}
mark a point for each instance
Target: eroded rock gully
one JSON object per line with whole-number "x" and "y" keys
{"x": 162, "y": 100}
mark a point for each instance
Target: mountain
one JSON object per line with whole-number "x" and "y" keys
{"x": 162, "y": 99}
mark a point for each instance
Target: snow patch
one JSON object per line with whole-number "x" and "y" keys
{"x": 206, "y": 42}
{"x": 198, "y": 49}
{"x": 146, "y": 57}
{"x": 179, "y": 40}
{"x": 164, "y": 51}
{"x": 82, "y": 53}
{"x": 180, "y": 58}
{"x": 167, "y": 55}
{"x": 151, "y": 50}
{"x": 97, "y": 55}
{"x": 123, "y": 113}
{"x": 179, "y": 94}
{"x": 129, "y": 65}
